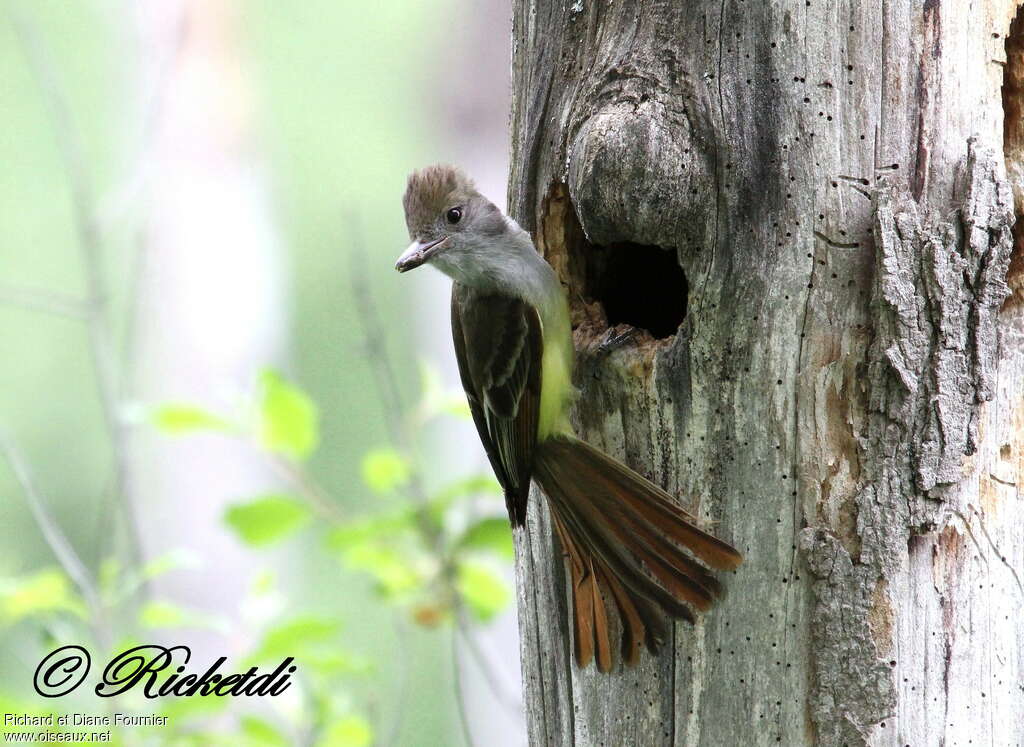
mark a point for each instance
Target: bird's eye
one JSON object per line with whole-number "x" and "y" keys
{"x": 454, "y": 215}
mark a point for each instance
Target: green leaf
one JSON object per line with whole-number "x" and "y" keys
{"x": 267, "y": 519}
{"x": 431, "y": 385}
{"x": 47, "y": 591}
{"x": 9, "y": 704}
{"x": 459, "y": 490}
{"x": 177, "y": 419}
{"x": 180, "y": 557}
{"x": 195, "y": 711}
{"x": 360, "y": 531}
{"x": 384, "y": 470}
{"x": 456, "y": 405}
{"x": 435, "y": 400}
{"x": 482, "y": 589}
{"x": 111, "y": 575}
{"x": 334, "y": 663}
{"x": 264, "y": 583}
{"x": 260, "y": 732}
{"x": 393, "y": 573}
{"x": 287, "y": 418}
{"x": 291, "y": 637}
{"x": 465, "y": 487}
{"x": 349, "y": 731}
{"x": 162, "y": 614}
{"x": 491, "y": 534}
{"x": 119, "y": 583}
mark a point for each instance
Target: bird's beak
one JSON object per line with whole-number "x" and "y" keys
{"x": 418, "y": 253}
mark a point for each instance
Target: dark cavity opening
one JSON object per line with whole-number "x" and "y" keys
{"x": 1013, "y": 148}
{"x": 639, "y": 285}
{"x": 624, "y": 283}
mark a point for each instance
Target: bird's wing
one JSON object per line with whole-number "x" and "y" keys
{"x": 498, "y": 344}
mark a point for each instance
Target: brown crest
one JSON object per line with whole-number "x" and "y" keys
{"x": 431, "y": 191}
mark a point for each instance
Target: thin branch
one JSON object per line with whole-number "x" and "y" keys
{"x": 48, "y": 302}
{"x": 165, "y": 57}
{"x": 68, "y": 143}
{"x": 151, "y": 110}
{"x": 375, "y": 338}
{"x": 460, "y": 704}
{"x": 54, "y": 535}
{"x": 308, "y": 488}
{"x": 501, "y": 693}
{"x": 130, "y": 335}
{"x": 402, "y": 699}
{"x": 375, "y": 342}
{"x": 83, "y": 203}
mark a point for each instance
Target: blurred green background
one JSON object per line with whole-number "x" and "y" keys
{"x": 193, "y": 194}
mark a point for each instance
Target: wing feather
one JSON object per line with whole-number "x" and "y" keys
{"x": 498, "y": 345}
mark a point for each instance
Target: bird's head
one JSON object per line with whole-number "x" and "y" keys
{"x": 452, "y": 226}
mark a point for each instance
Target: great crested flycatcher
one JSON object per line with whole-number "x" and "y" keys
{"x": 622, "y": 534}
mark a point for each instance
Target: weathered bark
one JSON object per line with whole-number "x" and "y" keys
{"x": 843, "y": 399}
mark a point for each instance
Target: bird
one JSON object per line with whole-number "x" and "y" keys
{"x": 627, "y": 543}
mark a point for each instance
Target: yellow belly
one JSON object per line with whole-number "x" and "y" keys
{"x": 556, "y": 373}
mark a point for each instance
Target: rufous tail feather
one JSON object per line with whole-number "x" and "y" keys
{"x": 628, "y": 543}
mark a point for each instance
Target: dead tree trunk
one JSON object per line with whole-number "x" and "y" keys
{"x": 785, "y": 229}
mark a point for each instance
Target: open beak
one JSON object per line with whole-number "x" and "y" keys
{"x": 418, "y": 253}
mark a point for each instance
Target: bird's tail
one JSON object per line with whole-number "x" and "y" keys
{"x": 624, "y": 538}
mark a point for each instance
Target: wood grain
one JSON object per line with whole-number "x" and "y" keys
{"x": 843, "y": 401}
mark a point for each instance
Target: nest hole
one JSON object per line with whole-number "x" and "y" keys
{"x": 1013, "y": 149}
{"x": 618, "y": 283}
{"x": 642, "y": 286}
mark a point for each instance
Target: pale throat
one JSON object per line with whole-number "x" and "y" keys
{"x": 510, "y": 265}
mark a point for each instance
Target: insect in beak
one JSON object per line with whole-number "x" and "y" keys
{"x": 418, "y": 253}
